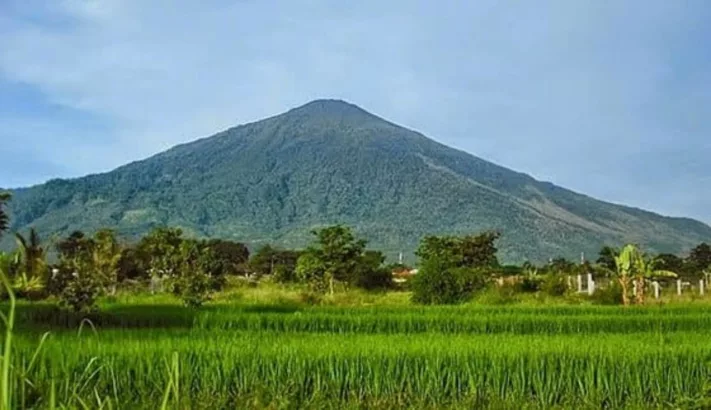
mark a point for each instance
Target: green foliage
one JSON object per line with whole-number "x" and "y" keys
{"x": 338, "y": 251}
{"x": 191, "y": 281}
{"x": 106, "y": 256}
{"x": 276, "y": 179}
{"x": 230, "y": 258}
{"x": 77, "y": 244}
{"x": 555, "y": 285}
{"x": 30, "y": 270}
{"x": 501, "y": 357}
{"x": 438, "y": 281}
{"x": 4, "y": 217}
{"x": 607, "y": 257}
{"x": 530, "y": 282}
{"x": 267, "y": 260}
{"x": 699, "y": 258}
{"x": 80, "y": 287}
{"x": 608, "y": 295}
{"x": 469, "y": 251}
{"x": 370, "y": 272}
{"x": 161, "y": 247}
{"x": 453, "y": 268}
{"x": 310, "y": 269}
{"x": 336, "y": 256}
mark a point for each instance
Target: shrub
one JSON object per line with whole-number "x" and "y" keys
{"x": 282, "y": 274}
{"x": 437, "y": 282}
{"x": 81, "y": 292}
{"x": 529, "y": 284}
{"x": 370, "y": 274}
{"x": 555, "y": 285}
{"x": 609, "y": 295}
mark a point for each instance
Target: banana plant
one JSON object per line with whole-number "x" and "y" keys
{"x": 625, "y": 264}
{"x": 646, "y": 269}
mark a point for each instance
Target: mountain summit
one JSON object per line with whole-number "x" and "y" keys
{"x": 332, "y": 162}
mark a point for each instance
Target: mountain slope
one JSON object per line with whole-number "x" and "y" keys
{"x": 329, "y": 161}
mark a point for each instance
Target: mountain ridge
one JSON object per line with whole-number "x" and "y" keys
{"x": 330, "y": 161}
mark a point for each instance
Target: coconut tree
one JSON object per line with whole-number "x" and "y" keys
{"x": 4, "y": 218}
{"x": 30, "y": 261}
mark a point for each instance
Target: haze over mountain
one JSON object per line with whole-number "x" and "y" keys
{"x": 332, "y": 162}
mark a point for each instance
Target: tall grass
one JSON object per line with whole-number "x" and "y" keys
{"x": 289, "y": 356}
{"x": 579, "y": 320}
{"x": 232, "y": 369}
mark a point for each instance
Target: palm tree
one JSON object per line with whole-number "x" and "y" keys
{"x": 31, "y": 258}
{"x": 4, "y": 218}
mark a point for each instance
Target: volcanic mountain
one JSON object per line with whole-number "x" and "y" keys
{"x": 332, "y": 162}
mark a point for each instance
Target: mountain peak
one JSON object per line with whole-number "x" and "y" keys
{"x": 330, "y": 107}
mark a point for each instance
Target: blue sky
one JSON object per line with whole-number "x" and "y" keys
{"x": 608, "y": 98}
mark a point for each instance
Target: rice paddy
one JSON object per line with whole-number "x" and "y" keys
{"x": 247, "y": 356}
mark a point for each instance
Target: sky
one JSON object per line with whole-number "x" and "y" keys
{"x": 608, "y": 98}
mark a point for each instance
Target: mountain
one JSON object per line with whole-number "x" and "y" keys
{"x": 332, "y": 162}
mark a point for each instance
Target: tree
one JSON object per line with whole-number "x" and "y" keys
{"x": 337, "y": 255}
{"x": 106, "y": 256}
{"x": 370, "y": 272}
{"x": 453, "y": 268}
{"x": 191, "y": 280}
{"x": 80, "y": 286}
{"x": 75, "y": 245}
{"x": 670, "y": 262}
{"x": 699, "y": 258}
{"x": 4, "y": 217}
{"x": 230, "y": 257}
{"x": 479, "y": 251}
{"x": 560, "y": 265}
{"x": 472, "y": 251}
{"x": 438, "y": 281}
{"x": 606, "y": 257}
{"x": 31, "y": 276}
{"x": 311, "y": 269}
{"x": 161, "y": 248}
{"x": 270, "y": 261}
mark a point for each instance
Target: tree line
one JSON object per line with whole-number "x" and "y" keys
{"x": 451, "y": 268}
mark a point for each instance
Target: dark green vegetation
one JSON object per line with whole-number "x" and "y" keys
{"x": 331, "y": 162}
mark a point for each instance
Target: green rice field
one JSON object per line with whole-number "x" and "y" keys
{"x": 251, "y": 356}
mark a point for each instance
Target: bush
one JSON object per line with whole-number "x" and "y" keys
{"x": 192, "y": 288}
{"x": 609, "y": 295}
{"x": 283, "y": 274}
{"x": 499, "y": 295}
{"x": 529, "y": 284}
{"x": 373, "y": 279}
{"x": 80, "y": 293}
{"x": 439, "y": 283}
{"x": 555, "y": 285}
